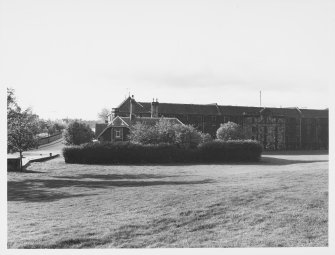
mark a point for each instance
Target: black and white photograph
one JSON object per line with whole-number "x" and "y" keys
{"x": 151, "y": 125}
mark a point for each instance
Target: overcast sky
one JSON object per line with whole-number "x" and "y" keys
{"x": 71, "y": 58}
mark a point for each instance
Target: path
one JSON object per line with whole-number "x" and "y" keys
{"x": 42, "y": 151}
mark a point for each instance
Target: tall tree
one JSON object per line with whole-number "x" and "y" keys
{"x": 22, "y": 128}
{"x": 77, "y": 133}
{"x": 229, "y": 131}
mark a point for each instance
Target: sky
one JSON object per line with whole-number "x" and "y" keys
{"x": 71, "y": 58}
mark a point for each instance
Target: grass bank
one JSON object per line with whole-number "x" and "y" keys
{"x": 281, "y": 201}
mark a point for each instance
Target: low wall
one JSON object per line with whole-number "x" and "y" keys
{"x": 13, "y": 164}
{"x": 49, "y": 139}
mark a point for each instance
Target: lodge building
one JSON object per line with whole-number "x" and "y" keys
{"x": 275, "y": 128}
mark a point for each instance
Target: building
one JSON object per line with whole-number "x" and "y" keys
{"x": 118, "y": 127}
{"x": 275, "y": 128}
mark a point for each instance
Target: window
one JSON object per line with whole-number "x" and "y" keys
{"x": 117, "y": 133}
{"x": 214, "y": 118}
{"x": 253, "y": 129}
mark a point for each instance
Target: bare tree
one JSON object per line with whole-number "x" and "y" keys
{"x": 103, "y": 114}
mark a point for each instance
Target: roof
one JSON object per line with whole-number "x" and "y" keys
{"x": 99, "y": 127}
{"x": 150, "y": 121}
{"x": 126, "y": 122}
{"x": 313, "y": 113}
{"x": 229, "y": 110}
{"x": 214, "y": 109}
{"x": 138, "y": 107}
{"x": 168, "y": 108}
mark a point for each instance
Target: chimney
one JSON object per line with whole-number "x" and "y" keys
{"x": 115, "y": 112}
{"x": 154, "y": 108}
{"x": 131, "y": 108}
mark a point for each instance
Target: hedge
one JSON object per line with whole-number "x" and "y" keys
{"x": 130, "y": 153}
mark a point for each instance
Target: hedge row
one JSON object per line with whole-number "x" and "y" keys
{"x": 129, "y": 153}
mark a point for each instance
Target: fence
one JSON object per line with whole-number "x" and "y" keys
{"x": 49, "y": 139}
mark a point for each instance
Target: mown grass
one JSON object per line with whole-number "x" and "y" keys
{"x": 282, "y": 201}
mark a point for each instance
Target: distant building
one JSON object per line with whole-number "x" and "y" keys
{"x": 275, "y": 128}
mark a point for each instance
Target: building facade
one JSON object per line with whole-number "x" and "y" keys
{"x": 274, "y": 128}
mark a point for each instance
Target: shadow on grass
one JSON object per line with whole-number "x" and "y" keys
{"x": 116, "y": 176}
{"x": 38, "y": 190}
{"x": 27, "y": 191}
{"x": 278, "y": 161}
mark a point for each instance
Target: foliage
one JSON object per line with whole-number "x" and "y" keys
{"x": 11, "y": 100}
{"x": 103, "y": 115}
{"x": 229, "y": 131}
{"x": 165, "y": 132}
{"x": 55, "y": 128}
{"x": 187, "y": 136}
{"x": 77, "y": 133}
{"x": 50, "y": 127}
{"x": 130, "y": 153}
{"x": 205, "y": 138}
{"x": 143, "y": 134}
{"x": 22, "y": 128}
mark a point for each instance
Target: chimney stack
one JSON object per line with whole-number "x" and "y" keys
{"x": 131, "y": 108}
{"x": 154, "y": 108}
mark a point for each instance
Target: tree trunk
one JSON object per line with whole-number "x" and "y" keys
{"x": 21, "y": 161}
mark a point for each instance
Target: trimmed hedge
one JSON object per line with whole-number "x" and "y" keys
{"x": 130, "y": 153}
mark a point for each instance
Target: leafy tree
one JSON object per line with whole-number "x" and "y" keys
{"x": 103, "y": 114}
{"x": 55, "y": 128}
{"x": 22, "y": 128}
{"x": 229, "y": 131}
{"x": 187, "y": 136}
{"x": 77, "y": 133}
{"x": 143, "y": 134}
{"x": 206, "y": 138}
{"x": 165, "y": 132}
{"x": 11, "y": 100}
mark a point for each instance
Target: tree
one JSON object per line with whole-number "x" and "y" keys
{"x": 205, "y": 138}
{"x": 11, "y": 101}
{"x": 55, "y": 127}
{"x": 229, "y": 131}
{"x": 77, "y": 133}
{"x": 22, "y": 128}
{"x": 103, "y": 114}
{"x": 187, "y": 136}
{"x": 165, "y": 132}
{"x": 144, "y": 134}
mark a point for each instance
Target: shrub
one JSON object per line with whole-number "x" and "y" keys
{"x": 205, "y": 138}
{"x": 77, "y": 133}
{"x": 143, "y": 134}
{"x": 232, "y": 150}
{"x": 165, "y": 132}
{"x": 130, "y": 153}
{"x": 186, "y": 136}
{"x": 229, "y": 131}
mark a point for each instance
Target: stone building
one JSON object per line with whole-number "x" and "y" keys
{"x": 275, "y": 128}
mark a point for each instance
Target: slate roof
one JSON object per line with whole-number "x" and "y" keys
{"x": 228, "y": 110}
{"x": 99, "y": 127}
{"x": 166, "y": 108}
{"x": 214, "y": 109}
{"x": 138, "y": 107}
{"x": 287, "y": 112}
{"x": 144, "y": 120}
{"x": 313, "y": 113}
{"x": 149, "y": 121}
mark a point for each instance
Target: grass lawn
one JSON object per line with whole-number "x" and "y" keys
{"x": 281, "y": 201}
